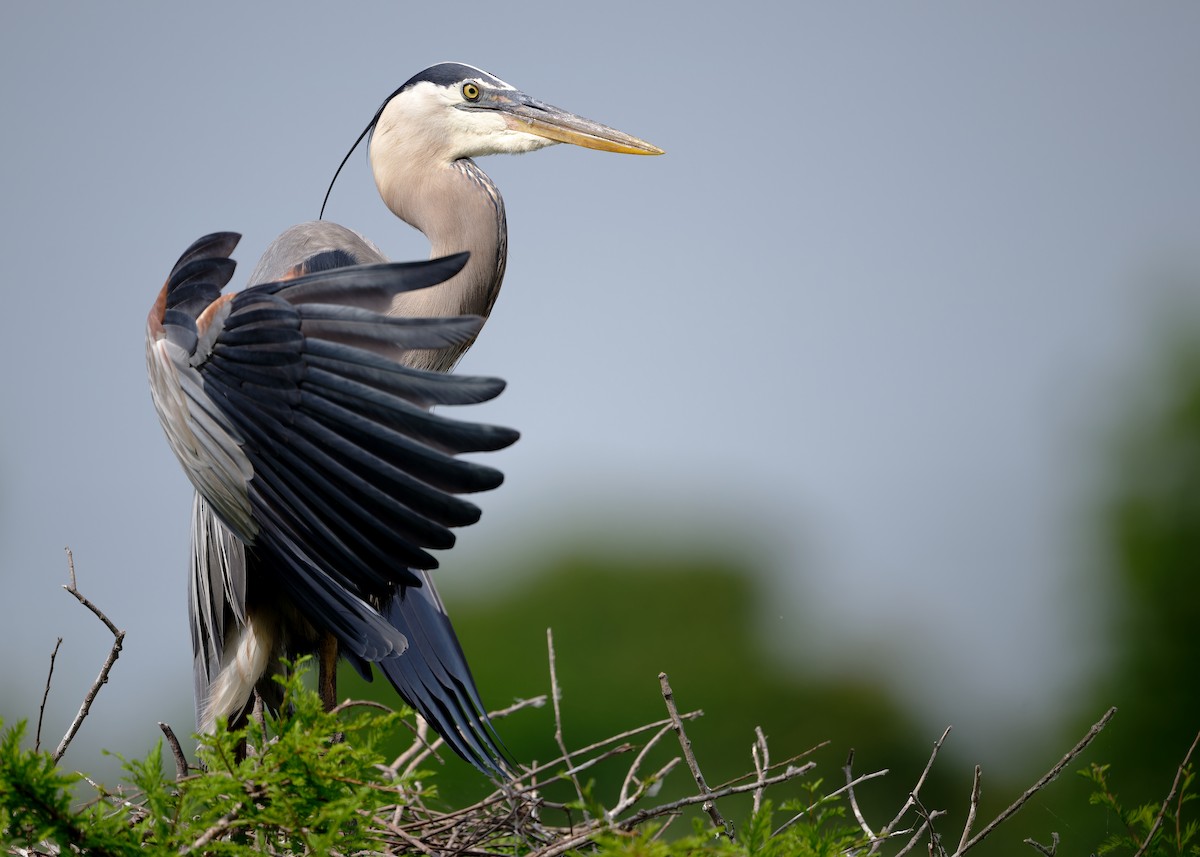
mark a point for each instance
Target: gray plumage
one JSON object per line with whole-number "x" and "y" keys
{"x": 300, "y": 409}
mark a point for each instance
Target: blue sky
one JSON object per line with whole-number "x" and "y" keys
{"x": 878, "y": 309}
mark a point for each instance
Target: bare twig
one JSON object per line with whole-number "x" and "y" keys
{"x": 392, "y": 827}
{"x": 347, "y": 704}
{"x": 1087, "y": 739}
{"x": 786, "y": 763}
{"x": 531, "y": 774}
{"x": 623, "y": 798}
{"x": 827, "y": 797}
{"x": 1049, "y": 850}
{"x": 579, "y": 768}
{"x": 1170, "y": 796}
{"x": 221, "y": 825}
{"x": 621, "y": 736}
{"x": 102, "y": 678}
{"x": 858, "y": 814}
{"x": 555, "y": 696}
{"x": 762, "y": 763}
{"x": 667, "y": 822}
{"x": 552, "y": 841}
{"x": 927, "y": 819}
{"x": 565, "y": 845}
{"x": 532, "y": 702}
{"x": 935, "y": 841}
{"x": 912, "y": 796}
{"x": 972, "y": 809}
{"x": 181, "y": 763}
{"x": 74, "y": 590}
{"x": 709, "y": 806}
{"x": 644, "y": 786}
{"x": 667, "y": 808}
{"x": 422, "y": 748}
{"x": 37, "y": 741}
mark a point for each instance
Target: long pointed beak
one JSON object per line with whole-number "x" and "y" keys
{"x": 523, "y": 113}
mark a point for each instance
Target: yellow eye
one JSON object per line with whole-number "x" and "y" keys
{"x": 470, "y": 92}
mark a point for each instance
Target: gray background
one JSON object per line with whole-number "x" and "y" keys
{"x": 876, "y": 313}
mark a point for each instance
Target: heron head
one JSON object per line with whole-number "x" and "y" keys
{"x": 459, "y": 111}
{"x": 471, "y": 113}
{"x": 452, "y": 110}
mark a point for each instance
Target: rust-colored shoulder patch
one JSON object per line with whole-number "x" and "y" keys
{"x": 210, "y": 311}
{"x": 295, "y": 271}
{"x": 157, "y": 311}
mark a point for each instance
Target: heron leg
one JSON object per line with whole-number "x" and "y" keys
{"x": 327, "y": 655}
{"x": 252, "y": 716}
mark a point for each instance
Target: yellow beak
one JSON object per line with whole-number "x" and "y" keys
{"x": 534, "y": 117}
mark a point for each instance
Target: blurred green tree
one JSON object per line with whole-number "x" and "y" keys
{"x": 617, "y": 623}
{"x": 1151, "y": 525}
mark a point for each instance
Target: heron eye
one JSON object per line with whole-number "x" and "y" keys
{"x": 470, "y": 92}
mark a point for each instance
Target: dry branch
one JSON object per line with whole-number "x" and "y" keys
{"x": 625, "y": 799}
{"x": 555, "y": 697}
{"x": 848, "y": 770}
{"x": 1170, "y": 796}
{"x": 912, "y": 796}
{"x": 826, "y": 798}
{"x": 181, "y": 763}
{"x": 1049, "y": 850}
{"x": 511, "y": 819}
{"x": 710, "y": 806}
{"x": 1087, "y": 739}
{"x": 972, "y": 810}
{"x": 762, "y": 762}
{"x": 102, "y": 678}
{"x": 37, "y": 742}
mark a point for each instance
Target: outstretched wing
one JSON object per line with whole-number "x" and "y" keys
{"x": 306, "y": 438}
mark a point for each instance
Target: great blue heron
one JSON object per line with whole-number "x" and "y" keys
{"x": 299, "y": 409}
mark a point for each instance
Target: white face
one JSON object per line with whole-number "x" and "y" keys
{"x": 454, "y": 121}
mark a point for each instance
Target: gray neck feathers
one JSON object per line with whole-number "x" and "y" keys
{"x": 458, "y": 208}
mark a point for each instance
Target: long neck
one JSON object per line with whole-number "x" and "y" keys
{"x": 458, "y": 208}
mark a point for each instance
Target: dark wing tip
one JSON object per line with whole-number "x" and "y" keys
{"x": 433, "y": 677}
{"x": 213, "y": 245}
{"x": 451, "y": 264}
{"x": 388, "y": 279}
{"x": 201, "y": 272}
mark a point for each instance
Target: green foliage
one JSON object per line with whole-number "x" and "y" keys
{"x": 286, "y": 787}
{"x": 289, "y": 786}
{"x": 821, "y": 832}
{"x": 1170, "y": 836}
{"x": 281, "y": 788}
{"x": 35, "y": 803}
{"x": 312, "y": 782}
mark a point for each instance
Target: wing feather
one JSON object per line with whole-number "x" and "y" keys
{"x": 418, "y": 386}
{"x": 310, "y": 443}
{"x": 369, "y": 287}
{"x": 387, "y": 407}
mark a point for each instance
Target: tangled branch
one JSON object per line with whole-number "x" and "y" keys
{"x": 514, "y": 818}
